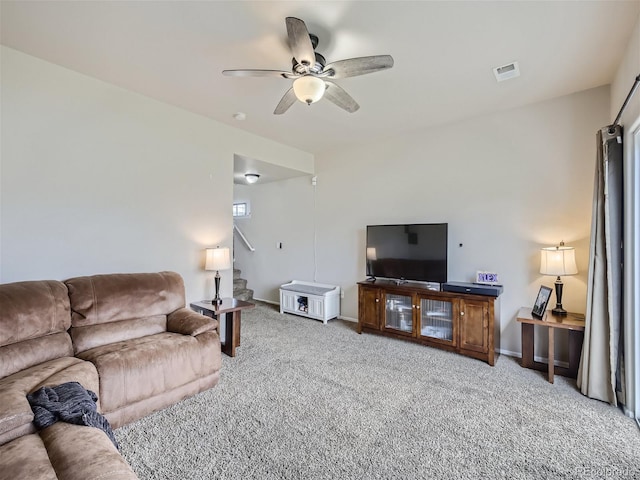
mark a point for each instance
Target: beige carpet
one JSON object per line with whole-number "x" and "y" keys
{"x": 307, "y": 401}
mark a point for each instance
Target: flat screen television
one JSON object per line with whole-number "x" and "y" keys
{"x": 415, "y": 252}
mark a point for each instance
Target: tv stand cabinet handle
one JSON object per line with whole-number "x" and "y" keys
{"x": 377, "y": 300}
{"x": 462, "y": 314}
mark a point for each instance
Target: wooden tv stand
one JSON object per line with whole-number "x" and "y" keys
{"x": 458, "y": 322}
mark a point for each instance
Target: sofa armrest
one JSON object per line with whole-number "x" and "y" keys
{"x": 188, "y": 322}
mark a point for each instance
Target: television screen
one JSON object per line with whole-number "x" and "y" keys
{"x": 412, "y": 252}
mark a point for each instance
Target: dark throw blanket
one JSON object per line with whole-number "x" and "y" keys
{"x": 69, "y": 402}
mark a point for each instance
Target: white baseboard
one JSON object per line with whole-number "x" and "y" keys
{"x": 535, "y": 357}
{"x": 267, "y": 301}
{"x": 509, "y": 353}
{"x": 341, "y": 317}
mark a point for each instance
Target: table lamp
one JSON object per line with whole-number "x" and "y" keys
{"x": 217, "y": 259}
{"x": 558, "y": 261}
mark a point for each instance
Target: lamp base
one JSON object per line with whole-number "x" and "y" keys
{"x": 559, "y": 310}
{"x": 216, "y": 299}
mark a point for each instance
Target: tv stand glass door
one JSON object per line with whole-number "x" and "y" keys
{"x": 398, "y": 314}
{"x": 436, "y": 320}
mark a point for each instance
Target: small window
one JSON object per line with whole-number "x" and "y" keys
{"x": 240, "y": 210}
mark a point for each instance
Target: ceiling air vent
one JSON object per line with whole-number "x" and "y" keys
{"x": 505, "y": 72}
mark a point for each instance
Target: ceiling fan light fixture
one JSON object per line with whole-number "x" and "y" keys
{"x": 251, "y": 177}
{"x": 309, "y": 89}
{"x": 311, "y": 74}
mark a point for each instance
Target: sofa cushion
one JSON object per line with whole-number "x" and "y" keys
{"x": 15, "y": 413}
{"x": 63, "y": 452}
{"x": 32, "y": 311}
{"x": 26, "y": 458}
{"x": 25, "y": 354}
{"x": 92, "y": 336}
{"x": 188, "y": 322}
{"x": 140, "y": 368}
{"x": 114, "y": 297}
{"x": 79, "y": 452}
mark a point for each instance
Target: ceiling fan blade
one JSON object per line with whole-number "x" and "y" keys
{"x": 337, "y": 95}
{"x": 300, "y": 42}
{"x": 256, "y": 73}
{"x": 287, "y": 100}
{"x": 353, "y": 67}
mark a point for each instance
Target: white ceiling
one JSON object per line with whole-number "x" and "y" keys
{"x": 444, "y": 52}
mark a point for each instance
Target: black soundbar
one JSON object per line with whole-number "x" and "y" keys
{"x": 473, "y": 288}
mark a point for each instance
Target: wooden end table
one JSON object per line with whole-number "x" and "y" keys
{"x": 231, "y": 310}
{"x": 573, "y": 322}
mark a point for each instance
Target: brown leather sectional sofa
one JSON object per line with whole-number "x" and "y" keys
{"x": 127, "y": 337}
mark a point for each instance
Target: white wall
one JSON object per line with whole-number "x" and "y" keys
{"x": 280, "y": 212}
{"x": 628, "y": 70}
{"x": 96, "y": 179}
{"x": 507, "y": 184}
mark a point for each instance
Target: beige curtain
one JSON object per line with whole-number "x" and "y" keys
{"x": 599, "y": 363}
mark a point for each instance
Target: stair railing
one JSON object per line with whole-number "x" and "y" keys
{"x": 243, "y": 237}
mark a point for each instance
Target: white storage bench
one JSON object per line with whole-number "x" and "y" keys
{"x": 313, "y": 300}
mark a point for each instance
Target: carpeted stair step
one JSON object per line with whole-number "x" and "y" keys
{"x": 240, "y": 290}
{"x": 239, "y": 284}
{"x": 245, "y": 294}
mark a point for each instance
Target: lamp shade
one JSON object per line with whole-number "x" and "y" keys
{"x": 309, "y": 89}
{"x": 371, "y": 253}
{"x": 217, "y": 259}
{"x": 558, "y": 261}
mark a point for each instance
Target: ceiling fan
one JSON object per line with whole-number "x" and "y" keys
{"x": 312, "y": 75}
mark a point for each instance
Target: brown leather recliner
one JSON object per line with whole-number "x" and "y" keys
{"x": 135, "y": 345}
{"x": 35, "y": 350}
{"x": 150, "y": 351}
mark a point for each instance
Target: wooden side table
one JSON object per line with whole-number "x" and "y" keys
{"x": 231, "y": 309}
{"x": 573, "y": 322}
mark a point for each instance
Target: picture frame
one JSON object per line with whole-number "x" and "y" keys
{"x": 540, "y": 305}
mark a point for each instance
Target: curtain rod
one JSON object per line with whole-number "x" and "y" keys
{"x": 624, "y": 105}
